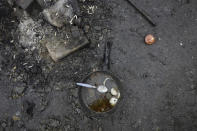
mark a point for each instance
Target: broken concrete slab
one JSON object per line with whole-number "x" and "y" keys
{"x": 59, "y": 14}
{"x": 58, "y": 49}
{"x": 24, "y": 3}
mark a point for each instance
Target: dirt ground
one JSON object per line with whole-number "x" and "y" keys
{"x": 159, "y": 81}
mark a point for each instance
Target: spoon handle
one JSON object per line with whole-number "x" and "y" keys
{"x": 85, "y": 85}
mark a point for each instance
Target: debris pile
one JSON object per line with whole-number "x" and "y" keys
{"x": 61, "y": 14}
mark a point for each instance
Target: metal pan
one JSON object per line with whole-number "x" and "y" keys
{"x": 93, "y": 103}
{"x": 89, "y": 96}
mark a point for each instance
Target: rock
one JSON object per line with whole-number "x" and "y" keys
{"x": 59, "y": 14}
{"x": 61, "y": 48}
{"x": 24, "y": 3}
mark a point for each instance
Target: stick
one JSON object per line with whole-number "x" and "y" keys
{"x": 142, "y": 12}
{"x": 107, "y": 55}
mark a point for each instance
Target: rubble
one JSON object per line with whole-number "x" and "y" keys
{"x": 3, "y": 10}
{"x": 29, "y": 33}
{"x": 59, "y": 14}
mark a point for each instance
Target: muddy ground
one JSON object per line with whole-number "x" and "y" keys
{"x": 160, "y": 81}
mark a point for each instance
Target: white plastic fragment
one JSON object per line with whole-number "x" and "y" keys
{"x": 114, "y": 92}
{"x": 113, "y": 101}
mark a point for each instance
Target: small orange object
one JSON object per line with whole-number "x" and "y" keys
{"x": 149, "y": 39}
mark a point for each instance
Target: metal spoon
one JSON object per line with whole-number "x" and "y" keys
{"x": 100, "y": 88}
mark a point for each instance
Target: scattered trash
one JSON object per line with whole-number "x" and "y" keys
{"x": 149, "y": 39}
{"x": 59, "y": 14}
{"x": 142, "y": 12}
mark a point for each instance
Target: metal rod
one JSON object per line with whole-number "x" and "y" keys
{"x": 142, "y": 12}
{"x": 107, "y": 55}
{"x": 85, "y": 85}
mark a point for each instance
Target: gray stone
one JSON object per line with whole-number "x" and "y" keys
{"x": 59, "y": 14}
{"x": 24, "y": 3}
